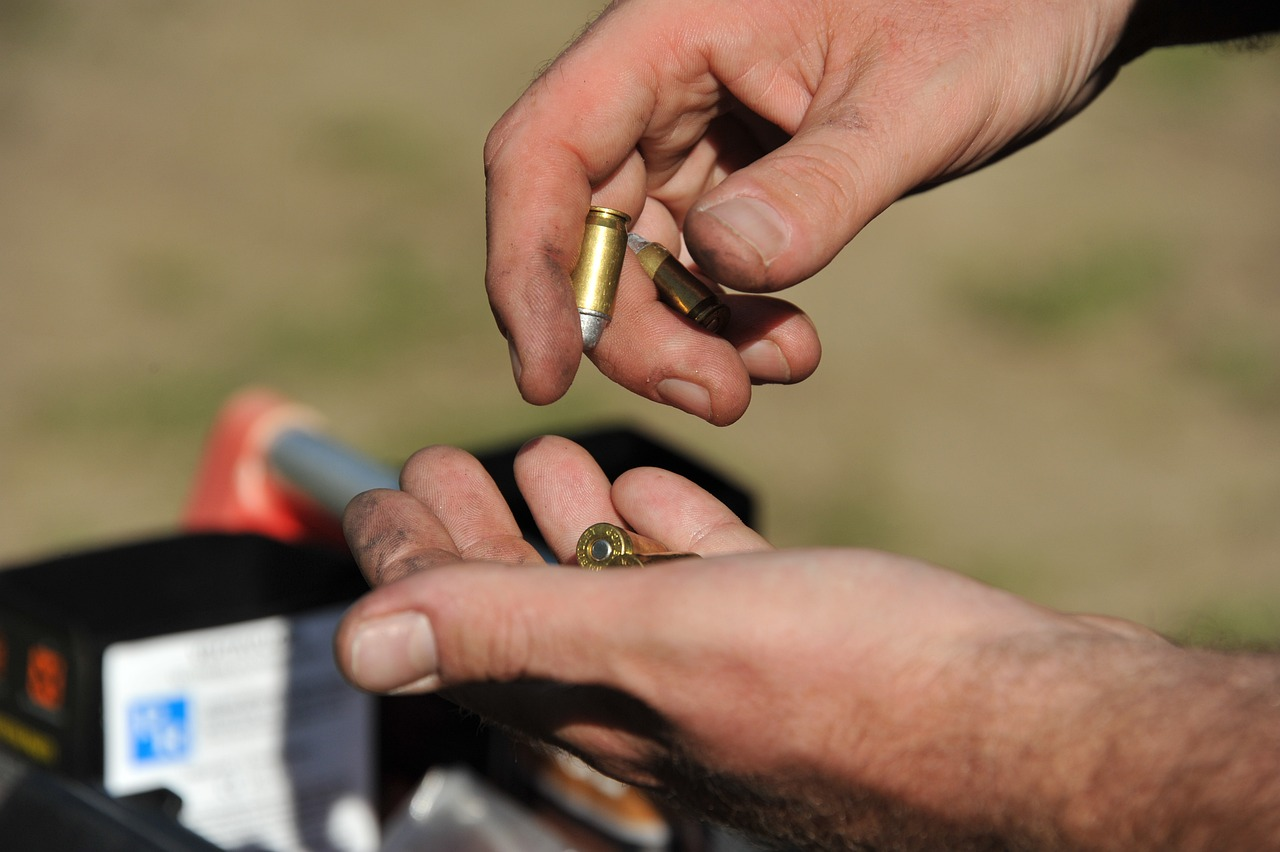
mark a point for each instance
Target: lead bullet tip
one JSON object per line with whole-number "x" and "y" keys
{"x": 593, "y": 325}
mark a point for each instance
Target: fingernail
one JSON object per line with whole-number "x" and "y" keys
{"x": 686, "y": 396}
{"x": 756, "y": 224}
{"x": 765, "y": 362}
{"x": 395, "y": 652}
{"x": 516, "y": 366}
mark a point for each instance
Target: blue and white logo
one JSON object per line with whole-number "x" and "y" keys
{"x": 160, "y": 729}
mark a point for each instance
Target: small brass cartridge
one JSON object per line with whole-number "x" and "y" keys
{"x": 604, "y": 545}
{"x": 679, "y": 288}
{"x": 595, "y": 277}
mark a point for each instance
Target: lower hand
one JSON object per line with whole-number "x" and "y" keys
{"x": 791, "y": 692}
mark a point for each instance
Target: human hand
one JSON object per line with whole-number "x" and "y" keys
{"x": 804, "y": 695}
{"x": 761, "y": 135}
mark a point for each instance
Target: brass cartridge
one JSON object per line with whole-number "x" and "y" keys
{"x": 605, "y": 545}
{"x": 679, "y": 288}
{"x": 595, "y": 277}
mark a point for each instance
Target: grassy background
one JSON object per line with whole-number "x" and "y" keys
{"x": 1061, "y": 375}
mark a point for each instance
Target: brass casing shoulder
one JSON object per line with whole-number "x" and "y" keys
{"x": 599, "y": 267}
{"x": 605, "y": 545}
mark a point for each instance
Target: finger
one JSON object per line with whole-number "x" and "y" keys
{"x": 457, "y": 489}
{"x": 783, "y": 218}
{"x": 469, "y": 624}
{"x": 572, "y": 655}
{"x": 566, "y": 490}
{"x": 776, "y": 341}
{"x": 656, "y": 223}
{"x": 667, "y": 507}
{"x": 614, "y": 116}
{"x": 543, "y": 161}
{"x": 655, "y": 352}
{"x": 697, "y": 166}
{"x": 481, "y": 622}
{"x": 392, "y": 534}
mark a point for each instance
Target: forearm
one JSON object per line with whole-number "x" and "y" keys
{"x": 1092, "y": 744}
{"x": 1146, "y": 747}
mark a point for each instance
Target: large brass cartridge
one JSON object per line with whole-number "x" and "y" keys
{"x": 595, "y": 277}
{"x": 679, "y": 288}
{"x": 605, "y": 545}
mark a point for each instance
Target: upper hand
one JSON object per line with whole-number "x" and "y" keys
{"x": 761, "y": 135}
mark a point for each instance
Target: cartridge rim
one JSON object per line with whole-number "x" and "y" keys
{"x": 712, "y": 315}
{"x": 610, "y": 211}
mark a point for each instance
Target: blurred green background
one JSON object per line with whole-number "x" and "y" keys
{"x": 1061, "y": 375}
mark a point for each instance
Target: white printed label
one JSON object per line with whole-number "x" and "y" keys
{"x": 252, "y": 726}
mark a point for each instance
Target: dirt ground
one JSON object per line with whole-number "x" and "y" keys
{"x": 1061, "y": 375}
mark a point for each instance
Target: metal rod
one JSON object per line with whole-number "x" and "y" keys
{"x": 327, "y": 471}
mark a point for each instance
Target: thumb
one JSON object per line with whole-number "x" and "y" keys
{"x": 476, "y": 623}
{"x": 778, "y": 221}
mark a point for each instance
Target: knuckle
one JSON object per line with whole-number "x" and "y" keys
{"x": 496, "y": 141}
{"x": 711, "y": 536}
{"x": 397, "y": 569}
{"x": 510, "y": 645}
{"x": 829, "y": 176}
{"x": 502, "y": 548}
{"x": 486, "y": 635}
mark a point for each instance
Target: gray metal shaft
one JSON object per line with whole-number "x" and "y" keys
{"x": 325, "y": 470}
{"x": 330, "y": 473}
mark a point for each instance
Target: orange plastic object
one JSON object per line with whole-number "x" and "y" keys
{"x": 234, "y": 491}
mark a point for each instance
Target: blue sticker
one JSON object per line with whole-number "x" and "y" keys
{"x": 160, "y": 729}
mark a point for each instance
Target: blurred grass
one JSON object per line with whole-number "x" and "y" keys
{"x": 1060, "y": 297}
{"x": 29, "y": 21}
{"x": 1231, "y": 625}
{"x": 374, "y": 144}
{"x": 1244, "y": 363}
{"x": 1190, "y": 77}
{"x": 169, "y": 283}
{"x": 393, "y": 300}
{"x": 140, "y": 410}
{"x": 1203, "y": 76}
